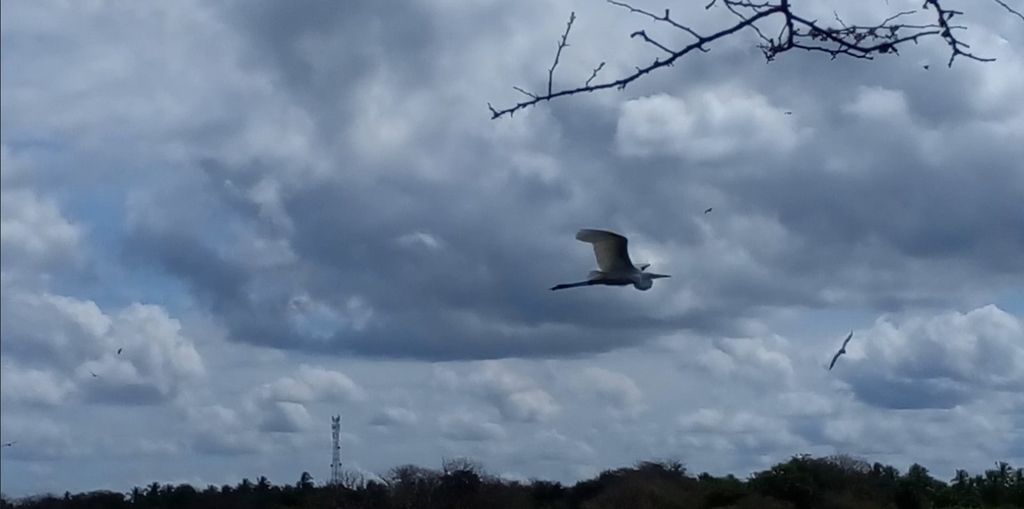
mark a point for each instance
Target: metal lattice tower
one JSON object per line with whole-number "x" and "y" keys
{"x": 335, "y": 449}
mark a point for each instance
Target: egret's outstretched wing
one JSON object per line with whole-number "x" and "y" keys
{"x": 609, "y": 248}
{"x": 847, "y": 340}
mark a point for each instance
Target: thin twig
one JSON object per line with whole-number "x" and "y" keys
{"x": 561, "y": 45}
{"x": 594, "y": 74}
{"x": 1011, "y": 9}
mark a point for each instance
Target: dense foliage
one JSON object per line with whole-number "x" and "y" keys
{"x": 803, "y": 482}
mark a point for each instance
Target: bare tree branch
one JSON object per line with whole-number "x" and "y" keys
{"x": 947, "y": 32}
{"x": 1010, "y": 9}
{"x": 622, "y": 82}
{"x": 664, "y": 18}
{"x": 797, "y": 32}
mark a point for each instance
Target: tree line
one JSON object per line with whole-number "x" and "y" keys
{"x": 802, "y": 482}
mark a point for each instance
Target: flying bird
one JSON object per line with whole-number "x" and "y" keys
{"x": 118, "y": 351}
{"x": 94, "y": 375}
{"x": 789, "y": 113}
{"x": 841, "y": 351}
{"x": 8, "y": 444}
{"x": 708, "y": 210}
{"x": 615, "y": 267}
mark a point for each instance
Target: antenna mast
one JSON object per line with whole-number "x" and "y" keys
{"x": 335, "y": 450}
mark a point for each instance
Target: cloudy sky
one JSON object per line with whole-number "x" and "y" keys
{"x": 278, "y": 212}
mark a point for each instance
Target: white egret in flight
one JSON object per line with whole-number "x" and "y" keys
{"x": 616, "y": 269}
{"x": 841, "y": 351}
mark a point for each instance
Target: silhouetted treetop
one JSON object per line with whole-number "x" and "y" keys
{"x": 832, "y": 482}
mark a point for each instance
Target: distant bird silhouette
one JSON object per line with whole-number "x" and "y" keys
{"x": 841, "y": 351}
{"x": 708, "y": 210}
{"x": 118, "y": 351}
{"x": 789, "y": 113}
{"x": 926, "y": 67}
{"x": 94, "y": 375}
{"x": 8, "y": 444}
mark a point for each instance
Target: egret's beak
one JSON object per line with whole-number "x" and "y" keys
{"x": 657, "y": 276}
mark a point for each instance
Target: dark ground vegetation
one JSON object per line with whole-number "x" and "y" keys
{"x": 803, "y": 482}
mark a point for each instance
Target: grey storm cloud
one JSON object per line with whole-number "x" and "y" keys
{"x": 432, "y": 303}
{"x": 931, "y": 207}
{"x": 287, "y": 212}
{"x": 393, "y": 416}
